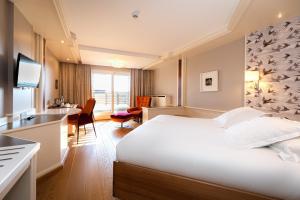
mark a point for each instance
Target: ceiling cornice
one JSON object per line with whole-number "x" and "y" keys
{"x": 69, "y": 35}
{"x": 60, "y": 14}
{"x": 233, "y": 20}
{"x": 206, "y": 38}
{"x": 238, "y": 13}
{"x": 209, "y": 37}
{"x": 119, "y": 52}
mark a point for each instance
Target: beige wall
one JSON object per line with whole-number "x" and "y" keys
{"x": 3, "y": 53}
{"x": 23, "y": 42}
{"x": 165, "y": 79}
{"x": 52, "y": 74}
{"x": 16, "y": 35}
{"x": 229, "y": 61}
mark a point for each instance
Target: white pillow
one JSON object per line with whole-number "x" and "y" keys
{"x": 288, "y": 150}
{"x": 238, "y": 115}
{"x": 262, "y": 131}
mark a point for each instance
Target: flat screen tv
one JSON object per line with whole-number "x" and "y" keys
{"x": 28, "y": 72}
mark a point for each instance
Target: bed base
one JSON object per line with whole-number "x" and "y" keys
{"x": 131, "y": 182}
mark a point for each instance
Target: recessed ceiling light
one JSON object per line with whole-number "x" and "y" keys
{"x": 62, "y": 41}
{"x": 68, "y": 59}
{"x": 279, "y": 15}
{"x": 117, "y": 63}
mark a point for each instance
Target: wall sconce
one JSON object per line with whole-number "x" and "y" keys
{"x": 252, "y": 81}
{"x": 251, "y": 76}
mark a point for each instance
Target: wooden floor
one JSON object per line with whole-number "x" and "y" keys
{"x": 87, "y": 173}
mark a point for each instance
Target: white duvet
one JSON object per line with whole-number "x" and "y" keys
{"x": 197, "y": 148}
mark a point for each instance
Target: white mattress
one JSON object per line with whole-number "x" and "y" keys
{"x": 197, "y": 148}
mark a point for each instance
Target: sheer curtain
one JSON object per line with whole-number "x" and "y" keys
{"x": 141, "y": 84}
{"x": 39, "y": 45}
{"x": 75, "y": 83}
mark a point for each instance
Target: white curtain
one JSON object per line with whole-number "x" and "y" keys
{"x": 141, "y": 84}
{"x": 75, "y": 83}
{"x": 39, "y": 57}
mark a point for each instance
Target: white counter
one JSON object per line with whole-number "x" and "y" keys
{"x": 17, "y": 169}
{"x": 65, "y": 111}
{"x": 53, "y": 137}
{"x": 50, "y": 129}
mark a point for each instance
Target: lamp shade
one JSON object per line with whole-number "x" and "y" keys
{"x": 251, "y": 76}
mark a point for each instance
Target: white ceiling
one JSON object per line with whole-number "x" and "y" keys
{"x": 43, "y": 16}
{"x": 106, "y": 34}
{"x": 163, "y": 26}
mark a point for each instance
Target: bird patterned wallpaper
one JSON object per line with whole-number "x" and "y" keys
{"x": 275, "y": 53}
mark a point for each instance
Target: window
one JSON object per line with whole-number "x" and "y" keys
{"x": 102, "y": 91}
{"x": 111, "y": 91}
{"x": 121, "y": 92}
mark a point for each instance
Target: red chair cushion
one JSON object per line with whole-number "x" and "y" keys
{"x": 121, "y": 115}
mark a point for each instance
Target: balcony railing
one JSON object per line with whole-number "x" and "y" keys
{"x": 104, "y": 100}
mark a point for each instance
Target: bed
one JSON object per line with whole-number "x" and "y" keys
{"x": 171, "y": 157}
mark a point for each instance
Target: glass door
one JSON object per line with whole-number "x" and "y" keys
{"x": 111, "y": 91}
{"x": 102, "y": 92}
{"x": 121, "y": 92}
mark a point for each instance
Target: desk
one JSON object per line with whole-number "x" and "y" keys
{"x": 64, "y": 111}
{"x": 51, "y": 131}
{"x": 38, "y": 120}
{"x": 17, "y": 168}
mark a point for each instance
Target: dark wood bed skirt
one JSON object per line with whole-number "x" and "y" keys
{"x": 131, "y": 182}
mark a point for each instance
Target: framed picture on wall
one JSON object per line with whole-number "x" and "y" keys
{"x": 209, "y": 81}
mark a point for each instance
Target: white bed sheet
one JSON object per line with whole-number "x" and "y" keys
{"x": 197, "y": 148}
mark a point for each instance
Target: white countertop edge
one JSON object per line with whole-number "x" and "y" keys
{"x": 18, "y": 169}
{"x": 33, "y": 126}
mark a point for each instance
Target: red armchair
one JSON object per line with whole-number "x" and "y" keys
{"x": 141, "y": 101}
{"x": 85, "y": 117}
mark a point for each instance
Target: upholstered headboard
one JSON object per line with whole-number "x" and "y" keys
{"x": 275, "y": 52}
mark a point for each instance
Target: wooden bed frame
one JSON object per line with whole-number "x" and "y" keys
{"x": 131, "y": 182}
